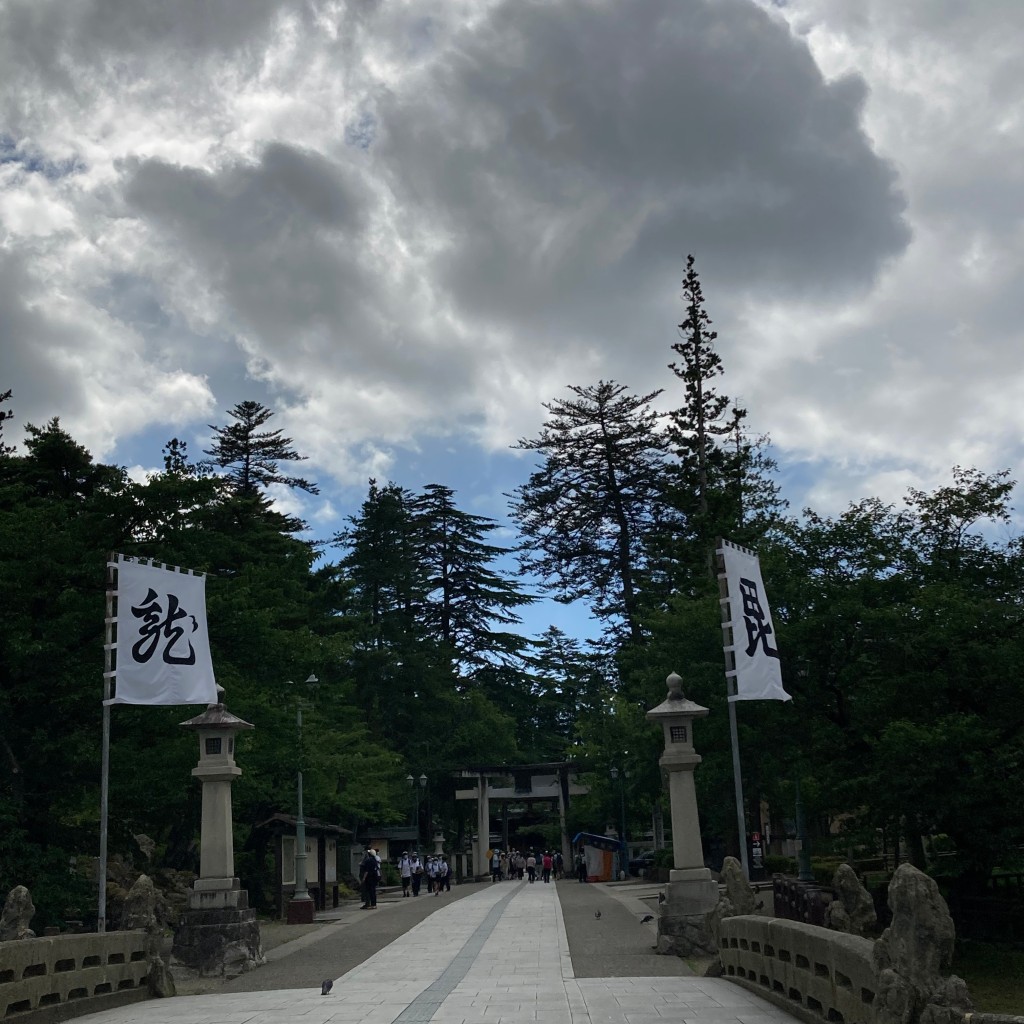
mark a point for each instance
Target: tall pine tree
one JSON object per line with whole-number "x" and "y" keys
{"x": 586, "y": 510}
{"x": 251, "y": 456}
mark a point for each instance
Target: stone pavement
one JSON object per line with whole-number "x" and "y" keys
{"x": 498, "y": 955}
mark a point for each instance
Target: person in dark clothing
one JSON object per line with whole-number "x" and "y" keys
{"x": 581, "y": 866}
{"x": 369, "y": 877}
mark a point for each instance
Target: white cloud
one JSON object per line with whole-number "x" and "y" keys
{"x": 404, "y": 230}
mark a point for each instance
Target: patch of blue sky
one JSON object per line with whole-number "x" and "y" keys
{"x": 361, "y": 132}
{"x": 34, "y": 161}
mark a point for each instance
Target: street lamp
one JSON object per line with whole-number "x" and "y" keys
{"x": 305, "y": 915}
{"x": 622, "y": 815}
{"x": 412, "y": 785}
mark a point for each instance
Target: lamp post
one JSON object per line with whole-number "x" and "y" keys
{"x": 422, "y": 785}
{"x": 301, "y": 914}
{"x": 624, "y": 853}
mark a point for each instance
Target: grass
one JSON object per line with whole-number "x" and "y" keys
{"x": 994, "y": 975}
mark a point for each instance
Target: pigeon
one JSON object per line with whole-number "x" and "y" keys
{"x": 646, "y": 918}
{"x": 661, "y": 897}
{"x": 325, "y": 987}
{"x": 597, "y": 914}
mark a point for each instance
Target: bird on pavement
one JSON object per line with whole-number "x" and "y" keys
{"x": 646, "y": 918}
{"x": 325, "y": 987}
{"x": 661, "y": 897}
{"x": 597, "y": 914}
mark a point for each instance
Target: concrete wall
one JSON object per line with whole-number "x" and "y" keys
{"x": 815, "y": 973}
{"x": 64, "y": 976}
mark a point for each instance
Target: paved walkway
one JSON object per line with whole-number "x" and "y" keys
{"x": 499, "y": 955}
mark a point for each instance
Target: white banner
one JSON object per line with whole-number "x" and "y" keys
{"x": 752, "y": 658}
{"x": 163, "y": 651}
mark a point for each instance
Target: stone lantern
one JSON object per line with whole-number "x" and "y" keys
{"x": 218, "y": 933}
{"x": 691, "y": 892}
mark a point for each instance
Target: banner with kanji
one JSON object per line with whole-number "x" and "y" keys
{"x": 162, "y": 648}
{"x": 753, "y": 670}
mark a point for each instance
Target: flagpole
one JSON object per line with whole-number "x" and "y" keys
{"x": 730, "y": 683}
{"x": 108, "y": 652}
{"x": 737, "y": 778}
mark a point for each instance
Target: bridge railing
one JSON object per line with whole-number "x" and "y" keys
{"x": 816, "y": 973}
{"x": 61, "y": 976}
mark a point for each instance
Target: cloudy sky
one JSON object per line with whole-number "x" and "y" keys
{"x": 404, "y": 225}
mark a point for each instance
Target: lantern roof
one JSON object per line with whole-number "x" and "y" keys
{"x": 217, "y": 716}
{"x": 676, "y": 703}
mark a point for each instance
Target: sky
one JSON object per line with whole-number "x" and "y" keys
{"x": 405, "y": 226}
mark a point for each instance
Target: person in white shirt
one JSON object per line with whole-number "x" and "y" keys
{"x": 417, "y": 873}
{"x": 405, "y": 870}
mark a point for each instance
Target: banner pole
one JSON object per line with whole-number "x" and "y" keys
{"x": 101, "y": 914}
{"x": 737, "y": 776}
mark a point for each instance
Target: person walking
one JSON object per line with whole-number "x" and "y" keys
{"x": 369, "y": 877}
{"x": 546, "y": 864}
{"x": 445, "y": 875}
{"x": 559, "y": 865}
{"x": 495, "y": 865}
{"x": 405, "y": 870}
{"x": 417, "y": 874}
{"x": 531, "y": 866}
{"x": 581, "y": 866}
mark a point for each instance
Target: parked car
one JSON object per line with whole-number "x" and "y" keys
{"x": 642, "y": 864}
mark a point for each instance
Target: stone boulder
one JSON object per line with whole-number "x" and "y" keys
{"x": 18, "y": 912}
{"x": 737, "y": 899}
{"x": 140, "y": 911}
{"x": 913, "y": 952}
{"x": 854, "y": 911}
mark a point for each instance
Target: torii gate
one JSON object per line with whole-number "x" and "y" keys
{"x": 524, "y": 783}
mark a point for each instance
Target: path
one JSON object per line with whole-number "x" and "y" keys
{"x": 499, "y": 954}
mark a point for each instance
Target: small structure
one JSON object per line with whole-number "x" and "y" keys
{"x": 601, "y": 854}
{"x": 691, "y": 893}
{"x": 326, "y": 848}
{"x": 218, "y": 933}
{"x": 553, "y": 782}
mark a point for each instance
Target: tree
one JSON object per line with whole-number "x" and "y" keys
{"x": 587, "y": 509}
{"x": 5, "y": 415}
{"x": 465, "y": 597}
{"x": 720, "y": 482}
{"x": 251, "y": 457}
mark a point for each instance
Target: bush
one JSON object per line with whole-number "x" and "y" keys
{"x": 775, "y": 864}
{"x": 663, "y": 859}
{"x": 390, "y": 875}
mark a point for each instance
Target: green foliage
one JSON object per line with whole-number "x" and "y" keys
{"x": 994, "y": 976}
{"x": 586, "y": 509}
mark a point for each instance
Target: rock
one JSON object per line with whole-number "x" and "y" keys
{"x": 18, "y": 912}
{"x": 159, "y": 980}
{"x": 714, "y": 969}
{"x": 737, "y": 899}
{"x": 139, "y": 909}
{"x": 737, "y": 888}
{"x": 913, "y": 952}
{"x": 146, "y": 845}
{"x": 854, "y": 911}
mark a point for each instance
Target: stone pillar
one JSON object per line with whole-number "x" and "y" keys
{"x": 483, "y": 829}
{"x": 691, "y": 893}
{"x": 219, "y": 933}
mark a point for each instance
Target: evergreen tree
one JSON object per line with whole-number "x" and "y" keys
{"x": 5, "y": 415}
{"x": 466, "y": 598}
{"x": 250, "y": 456}
{"x": 720, "y": 478}
{"x": 586, "y": 511}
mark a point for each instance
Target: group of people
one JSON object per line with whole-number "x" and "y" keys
{"x": 516, "y": 865}
{"x": 413, "y": 871}
{"x": 436, "y": 870}
{"x": 438, "y": 873}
